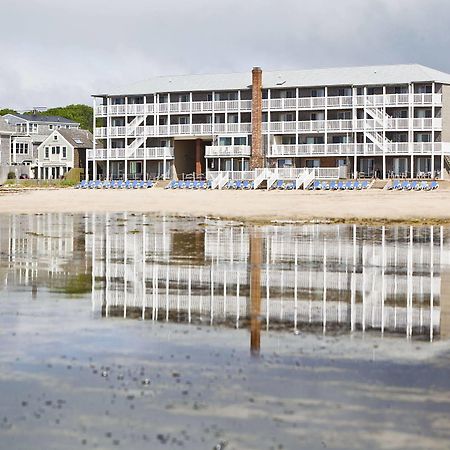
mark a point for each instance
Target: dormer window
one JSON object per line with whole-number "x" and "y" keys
{"x": 55, "y": 137}
{"x": 50, "y": 127}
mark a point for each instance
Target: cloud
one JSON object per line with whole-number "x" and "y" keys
{"x": 55, "y": 52}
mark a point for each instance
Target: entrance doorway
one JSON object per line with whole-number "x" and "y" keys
{"x": 189, "y": 158}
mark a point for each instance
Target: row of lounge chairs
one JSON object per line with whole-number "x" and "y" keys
{"x": 339, "y": 185}
{"x": 195, "y": 184}
{"x": 283, "y": 185}
{"x": 398, "y": 185}
{"x": 119, "y": 184}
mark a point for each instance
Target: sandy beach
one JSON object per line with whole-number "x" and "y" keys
{"x": 360, "y": 207}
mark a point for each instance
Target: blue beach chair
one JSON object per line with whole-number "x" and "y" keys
{"x": 434, "y": 185}
{"x": 349, "y": 186}
{"x": 341, "y": 185}
{"x": 333, "y": 186}
{"x": 365, "y": 184}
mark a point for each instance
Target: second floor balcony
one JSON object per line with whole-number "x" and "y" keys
{"x": 224, "y": 151}
{"x": 157, "y": 153}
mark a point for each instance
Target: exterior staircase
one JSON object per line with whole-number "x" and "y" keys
{"x": 134, "y": 129}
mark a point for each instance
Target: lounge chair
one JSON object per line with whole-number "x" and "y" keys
{"x": 365, "y": 184}
{"x": 395, "y": 186}
{"x": 246, "y": 184}
{"x": 341, "y": 185}
{"x": 415, "y": 186}
{"x": 406, "y": 185}
{"x": 357, "y": 185}
{"x": 202, "y": 184}
{"x": 150, "y": 184}
{"x": 434, "y": 185}
{"x": 333, "y": 185}
{"x": 316, "y": 186}
{"x": 424, "y": 186}
{"x": 289, "y": 186}
{"x": 82, "y": 185}
{"x": 349, "y": 186}
{"x": 239, "y": 184}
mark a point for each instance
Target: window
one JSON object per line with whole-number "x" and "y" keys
{"x": 21, "y": 148}
{"x": 33, "y": 127}
{"x": 183, "y": 120}
{"x": 50, "y": 127}
{"x": 284, "y": 163}
{"x": 288, "y": 140}
{"x": 345, "y": 92}
{"x": 55, "y": 137}
{"x": 312, "y": 163}
{"x": 423, "y": 137}
{"x": 78, "y": 141}
{"x": 424, "y": 89}
{"x": 225, "y": 141}
{"x": 344, "y": 115}
{"x": 47, "y": 152}
{"x": 240, "y": 141}
{"x": 233, "y": 118}
{"x": 55, "y": 150}
{"x": 183, "y": 98}
{"x": 64, "y": 152}
{"x": 318, "y": 93}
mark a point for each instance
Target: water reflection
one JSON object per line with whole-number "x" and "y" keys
{"x": 331, "y": 278}
{"x": 323, "y": 278}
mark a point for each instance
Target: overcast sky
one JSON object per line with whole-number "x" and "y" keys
{"x": 56, "y": 52}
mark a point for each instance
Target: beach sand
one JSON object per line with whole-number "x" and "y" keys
{"x": 374, "y": 205}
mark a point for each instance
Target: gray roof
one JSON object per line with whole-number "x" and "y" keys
{"x": 45, "y": 119}
{"x": 77, "y": 138}
{"x": 344, "y": 76}
{"x": 5, "y": 127}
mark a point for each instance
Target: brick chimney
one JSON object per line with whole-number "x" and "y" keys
{"x": 257, "y": 158}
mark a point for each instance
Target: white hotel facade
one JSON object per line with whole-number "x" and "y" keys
{"x": 385, "y": 121}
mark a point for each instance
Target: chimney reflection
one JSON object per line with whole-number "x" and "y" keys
{"x": 255, "y": 292}
{"x": 324, "y": 278}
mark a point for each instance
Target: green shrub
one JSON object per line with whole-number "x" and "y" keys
{"x": 11, "y": 175}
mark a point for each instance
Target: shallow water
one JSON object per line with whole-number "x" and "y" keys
{"x": 123, "y": 330}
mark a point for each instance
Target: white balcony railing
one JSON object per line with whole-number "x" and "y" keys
{"x": 139, "y": 153}
{"x": 406, "y": 148}
{"x": 274, "y": 104}
{"x": 223, "y": 151}
{"x": 309, "y": 126}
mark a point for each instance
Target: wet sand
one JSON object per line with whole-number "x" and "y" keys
{"x": 374, "y": 205}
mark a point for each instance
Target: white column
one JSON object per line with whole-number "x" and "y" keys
{"x": 326, "y": 118}
{"x": 126, "y": 140}
{"x": 411, "y": 123}
{"x": 384, "y": 133}
{"x": 433, "y": 136}
{"x": 108, "y": 139}
{"x": 94, "y": 169}
{"x": 269, "y": 119}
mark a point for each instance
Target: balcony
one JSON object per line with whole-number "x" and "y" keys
{"x": 174, "y": 108}
{"x": 308, "y": 126}
{"x": 274, "y": 104}
{"x": 155, "y": 153}
{"x": 404, "y": 148}
{"x": 203, "y": 129}
{"x": 226, "y": 151}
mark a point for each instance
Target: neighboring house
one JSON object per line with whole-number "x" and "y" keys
{"x": 30, "y": 130}
{"x": 374, "y": 121}
{"x": 61, "y": 151}
{"x": 6, "y": 132}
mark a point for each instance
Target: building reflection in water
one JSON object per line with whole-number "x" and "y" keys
{"x": 332, "y": 278}
{"x": 44, "y": 251}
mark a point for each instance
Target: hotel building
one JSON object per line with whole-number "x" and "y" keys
{"x": 385, "y": 121}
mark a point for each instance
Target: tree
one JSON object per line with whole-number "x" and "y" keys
{"x": 83, "y": 114}
{"x": 7, "y": 111}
